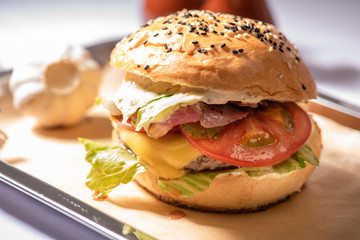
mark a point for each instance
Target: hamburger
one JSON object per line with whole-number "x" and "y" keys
{"x": 207, "y": 115}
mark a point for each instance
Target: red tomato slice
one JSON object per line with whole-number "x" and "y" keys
{"x": 129, "y": 126}
{"x": 265, "y": 137}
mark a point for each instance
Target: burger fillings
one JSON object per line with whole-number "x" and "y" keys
{"x": 230, "y": 108}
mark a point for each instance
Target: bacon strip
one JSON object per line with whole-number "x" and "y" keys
{"x": 220, "y": 115}
{"x": 190, "y": 113}
{"x": 209, "y": 116}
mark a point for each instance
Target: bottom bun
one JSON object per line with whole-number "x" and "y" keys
{"x": 239, "y": 193}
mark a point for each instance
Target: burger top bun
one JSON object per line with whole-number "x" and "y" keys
{"x": 217, "y": 51}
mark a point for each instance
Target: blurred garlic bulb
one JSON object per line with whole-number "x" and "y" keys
{"x": 3, "y": 139}
{"x": 59, "y": 90}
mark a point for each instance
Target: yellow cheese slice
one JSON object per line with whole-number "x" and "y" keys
{"x": 165, "y": 157}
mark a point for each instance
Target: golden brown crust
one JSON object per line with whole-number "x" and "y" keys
{"x": 171, "y": 49}
{"x": 232, "y": 194}
{"x": 239, "y": 193}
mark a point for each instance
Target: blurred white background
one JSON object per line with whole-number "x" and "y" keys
{"x": 29, "y": 28}
{"x": 327, "y": 36}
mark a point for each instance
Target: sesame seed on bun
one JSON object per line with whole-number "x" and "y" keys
{"x": 208, "y": 94}
{"x": 217, "y": 51}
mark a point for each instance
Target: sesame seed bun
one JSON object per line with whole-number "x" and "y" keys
{"x": 239, "y": 193}
{"x": 217, "y": 51}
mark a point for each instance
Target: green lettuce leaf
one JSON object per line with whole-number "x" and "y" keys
{"x": 195, "y": 130}
{"x": 98, "y": 101}
{"x": 305, "y": 154}
{"x": 257, "y": 171}
{"x": 193, "y": 183}
{"x": 289, "y": 165}
{"x": 139, "y": 235}
{"x": 156, "y": 103}
{"x": 143, "y": 111}
{"x": 111, "y": 166}
{"x": 189, "y": 184}
{"x": 159, "y": 108}
{"x": 295, "y": 162}
{"x": 114, "y": 165}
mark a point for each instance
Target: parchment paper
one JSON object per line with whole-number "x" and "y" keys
{"x": 327, "y": 208}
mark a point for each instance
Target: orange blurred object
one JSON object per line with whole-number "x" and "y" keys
{"x": 256, "y": 9}
{"x": 157, "y": 8}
